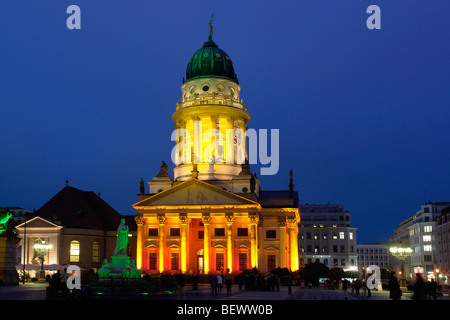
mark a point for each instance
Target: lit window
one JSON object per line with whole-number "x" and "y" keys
{"x": 242, "y": 261}
{"x": 153, "y": 261}
{"x": 95, "y": 252}
{"x": 341, "y": 235}
{"x": 427, "y": 229}
{"x": 219, "y": 261}
{"x": 427, "y": 238}
{"x": 174, "y": 261}
{"x": 350, "y": 235}
{"x": 427, "y": 248}
{"x": 74, "y": 251}
{"x": 271, "y": 262}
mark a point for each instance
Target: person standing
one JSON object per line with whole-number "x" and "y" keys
{"x": 433, "y": 289}
{"x": 345, "y": 287}
{"x": 394, "y": 288}
{"x": 419, "y": 288}
{"x": 213, "y": 285}
{"x": 289, "y": 284}
{"x": 219, "y": 283}
{"x": 228, "y": 282}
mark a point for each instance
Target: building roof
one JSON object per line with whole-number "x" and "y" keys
{"x": 75, "y": 208}
{"x": 210, "y": 61}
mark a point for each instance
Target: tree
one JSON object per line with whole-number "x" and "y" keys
{"x": 336, "y": 274}
{"x": 313, "y": 271}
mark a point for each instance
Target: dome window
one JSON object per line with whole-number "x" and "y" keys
{"x": 205, "y": 88}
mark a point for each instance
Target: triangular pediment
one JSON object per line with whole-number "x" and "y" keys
{"x": 194, "y": 192}
{"x": 38, "y": 222}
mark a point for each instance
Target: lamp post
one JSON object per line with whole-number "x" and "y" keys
{"x": 401, "y": 253}
{"x": 42, "y": 248}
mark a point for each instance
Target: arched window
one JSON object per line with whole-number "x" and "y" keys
{"x": 74, "y": 251}
{"x": 95, "y": 252}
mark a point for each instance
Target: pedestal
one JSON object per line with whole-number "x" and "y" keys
{"x": 8, "y": 253}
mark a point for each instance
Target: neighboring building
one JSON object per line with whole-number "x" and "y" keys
{"x": 419, "y": 233}
{"x": 19, "y": 214}
{"x": 443, "y": 245}
{"x": 372, "y": 254}
{"x": 326, "y": 236}
{"x": 80, "y": 226}
{"x": 212, "y": 215}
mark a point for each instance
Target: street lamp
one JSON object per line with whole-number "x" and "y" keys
{"x": 41, "y": 248}
{"x": 401, "y": 253}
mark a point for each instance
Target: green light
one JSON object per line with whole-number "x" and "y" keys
{"x": 145, "y": 293}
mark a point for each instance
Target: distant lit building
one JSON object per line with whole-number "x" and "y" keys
{"x": 326, "y": 236}
{"x": 419, "y": 233}
{"x": 443, "y": 245}
{"x": 372, "y": 254}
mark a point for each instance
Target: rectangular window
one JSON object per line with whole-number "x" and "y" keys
{"x": 427, "y": 229}
{"x": 174, "y": 259}
{"x": 427, "y": 238}
{"x": 219, "y": 261}
{"x": 271, "y": 234}
{"x": 153, "y": 261}
{"x": 427, "y": 248}
{"x": 153, "y": 232}
{"x": 242, "y": 261}
{"x": 242, "y": 232}
{"x": 343, "y": 262}
{"x": 270, "y": 262}
{"x": 341, "y": 235}
{"x": 174, "y": 232}
{"x": 350, "y": 235}
{"x": 334, "y": 236}
{"x": 74, "y": 251}
{"x": 95, "y": 252}
{"x": 219, "y": 232}
{"x": 201, "y": 234}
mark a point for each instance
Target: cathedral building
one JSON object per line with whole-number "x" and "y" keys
{"x": 213, "y": 215}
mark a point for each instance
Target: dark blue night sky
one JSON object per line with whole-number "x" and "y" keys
{"x": 363, "y": 114}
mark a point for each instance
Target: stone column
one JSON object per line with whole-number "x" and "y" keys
{"x": 198, "y": 148}
{"x": 184, "y": 251}
{"x": 282, "y": 226}
{"x": 162, "y": 222}
{"x": 140, "y": 221}
{"x": 229, "y": 218}
{"x": 293, "y": 247}
{"x": 206, "y": 243}
{"x": 254, "y": 220}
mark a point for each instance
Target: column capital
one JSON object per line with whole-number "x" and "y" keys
{"x": 162, "y": 219}
{"x": 206, "y": 218}
{"x": 254, "y": 218}
{"x": 183, "y": 219}
{"x": 282, "y": 223}
{"x": 140, "y": 221}
{"x": 229, "y": 218}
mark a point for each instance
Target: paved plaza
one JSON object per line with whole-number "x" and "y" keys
{"x": 37, "y": 291}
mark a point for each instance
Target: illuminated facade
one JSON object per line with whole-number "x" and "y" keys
{"x": 212, "y": 215}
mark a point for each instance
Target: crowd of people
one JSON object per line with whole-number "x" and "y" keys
{"x": 422, "y": 290}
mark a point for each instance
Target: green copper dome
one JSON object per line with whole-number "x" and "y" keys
{"x": 210, "y": 61}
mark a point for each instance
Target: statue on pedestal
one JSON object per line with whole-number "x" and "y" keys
{"x": 121, "y": 265}
{"x": 122, "y": 239}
